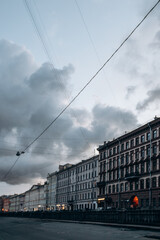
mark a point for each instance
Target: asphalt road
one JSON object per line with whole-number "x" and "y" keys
{"x": 38, "y": 229}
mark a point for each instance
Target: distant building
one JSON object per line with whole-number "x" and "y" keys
{"x": 52, "y": 191}
{"x": 129, "y": 169}
{"x": 17, "y": 203}
{"x": 6, "y": 203}
{"x": 35, "y": 198}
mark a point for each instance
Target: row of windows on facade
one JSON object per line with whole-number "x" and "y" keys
{"x": 83, "y": 196}
{"x": 78, "y": 187}
{"x": 130, "y": 144}
{"x": 128, "y": 157}
{"x": 142, "y": 184}
{"x": 79, "y": 178}
{"x": 139, "y": 168}
{"x": 80, "y": 169}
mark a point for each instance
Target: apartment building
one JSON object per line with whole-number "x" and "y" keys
{"x": 35, "y": 198}
{"x": 52, "y": 191}
{"x": 129, "y": 169}
{"x": 76, "y": 185}
{"x": 17, "y": 202}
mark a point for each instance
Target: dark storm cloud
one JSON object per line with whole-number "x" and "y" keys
{"x": 31, "y": 97}
{"x": 153, "y": 97}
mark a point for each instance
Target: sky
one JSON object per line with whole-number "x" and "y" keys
{"x": 41, "y": 73}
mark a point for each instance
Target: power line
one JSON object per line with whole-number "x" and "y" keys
{"x": 68, "y": 105}
{"x": 41, "y": 37}
{"x": 5, "y": 176}
{"x": 100, "y": 69}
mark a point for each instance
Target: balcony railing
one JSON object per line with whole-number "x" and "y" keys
{"x": 132, "y": 176}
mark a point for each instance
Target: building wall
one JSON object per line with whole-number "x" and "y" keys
{"x": 76, "y": 186}
{"x": 132, "y": 167}
{"x": 35, "y": 198}
{"x": 52, "y": 190}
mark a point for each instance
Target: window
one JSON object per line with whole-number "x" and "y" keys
{"x": 142, "y": 167}
{"x": 114, "y": 150}
{"x": 137, "y": 168}
{"x": 136, "y": 185}
{"x": 117, "y": 174}
{"x": 147, "y": 183}
{"x": 113, "y": 188}
{"x": 148, "y": 151}
{"x": 142, "y": 184}
{"x": 127, "y": 170}
{"x": 154, "y": 182}
{"x": 109, "y": 189}
{"x": 154, "y": 134}
{"x": 117, "y": 149}
{"x": 142, "y": 139}
{"x": 122, "y": 146}
{"x": 131, "y": 186}
{"x": 142, "y": 152}
{"x": 113, "y": 175}
{"x": 131, "y": 156}
{"x": 148, "y": 136}
{"x": 154, "y": 166}
{"x": 137, "y": 154}
{"x": 127, "y": 145}
{"x": 127, "y": 158}
{"x": 110, "y": 152}
{"x": 114, "y": 162}
{"x": 148, "y": 167}
{"x": 159, "y": 181}
{"x": 132, "y": 143}
{"x": 137, "y": 141}
{"x": 131, "y": 169}
{"x": 126, "y": 186}
{"x": 122, "y": 173}
{"x": 110, "y": 164}
{"x": 117, "y": 188}
{"x": 122, "y": 159}
{"x": 121, "y": 187}
{"x": 155, "y": 149}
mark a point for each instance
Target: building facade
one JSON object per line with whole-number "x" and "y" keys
{"x": 129, "y": 169}
{"x": 76, "y": 185}
{"x": 35, "y": 198}
{"x": 52, "y": 191}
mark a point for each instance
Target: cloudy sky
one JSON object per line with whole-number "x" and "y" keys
{"x": 39, "y": 75}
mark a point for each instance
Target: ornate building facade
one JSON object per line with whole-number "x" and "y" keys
{"x": 129, "y": 169}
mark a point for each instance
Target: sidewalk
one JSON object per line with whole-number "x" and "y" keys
{"x": 130, "y": 226}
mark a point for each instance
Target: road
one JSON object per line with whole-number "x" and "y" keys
{"x": 38, "y": 229}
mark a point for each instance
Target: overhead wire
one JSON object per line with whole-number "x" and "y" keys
{"x": 94, "y": 47}
{"x": 85, "y": 86}
{"x": 41, "y": 37}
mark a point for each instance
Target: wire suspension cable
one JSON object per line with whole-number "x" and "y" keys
{"x": 68, "y": 105}
{"x": 100, "y": 69}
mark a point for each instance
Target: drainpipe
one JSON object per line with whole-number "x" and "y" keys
{"x": 150, "y": 166}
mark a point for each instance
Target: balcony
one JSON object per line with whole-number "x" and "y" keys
{"x": 132, "y": 176}
{"x": 101, "y": 184}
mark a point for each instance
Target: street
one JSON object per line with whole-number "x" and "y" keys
{"x": 30, "y": 229}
